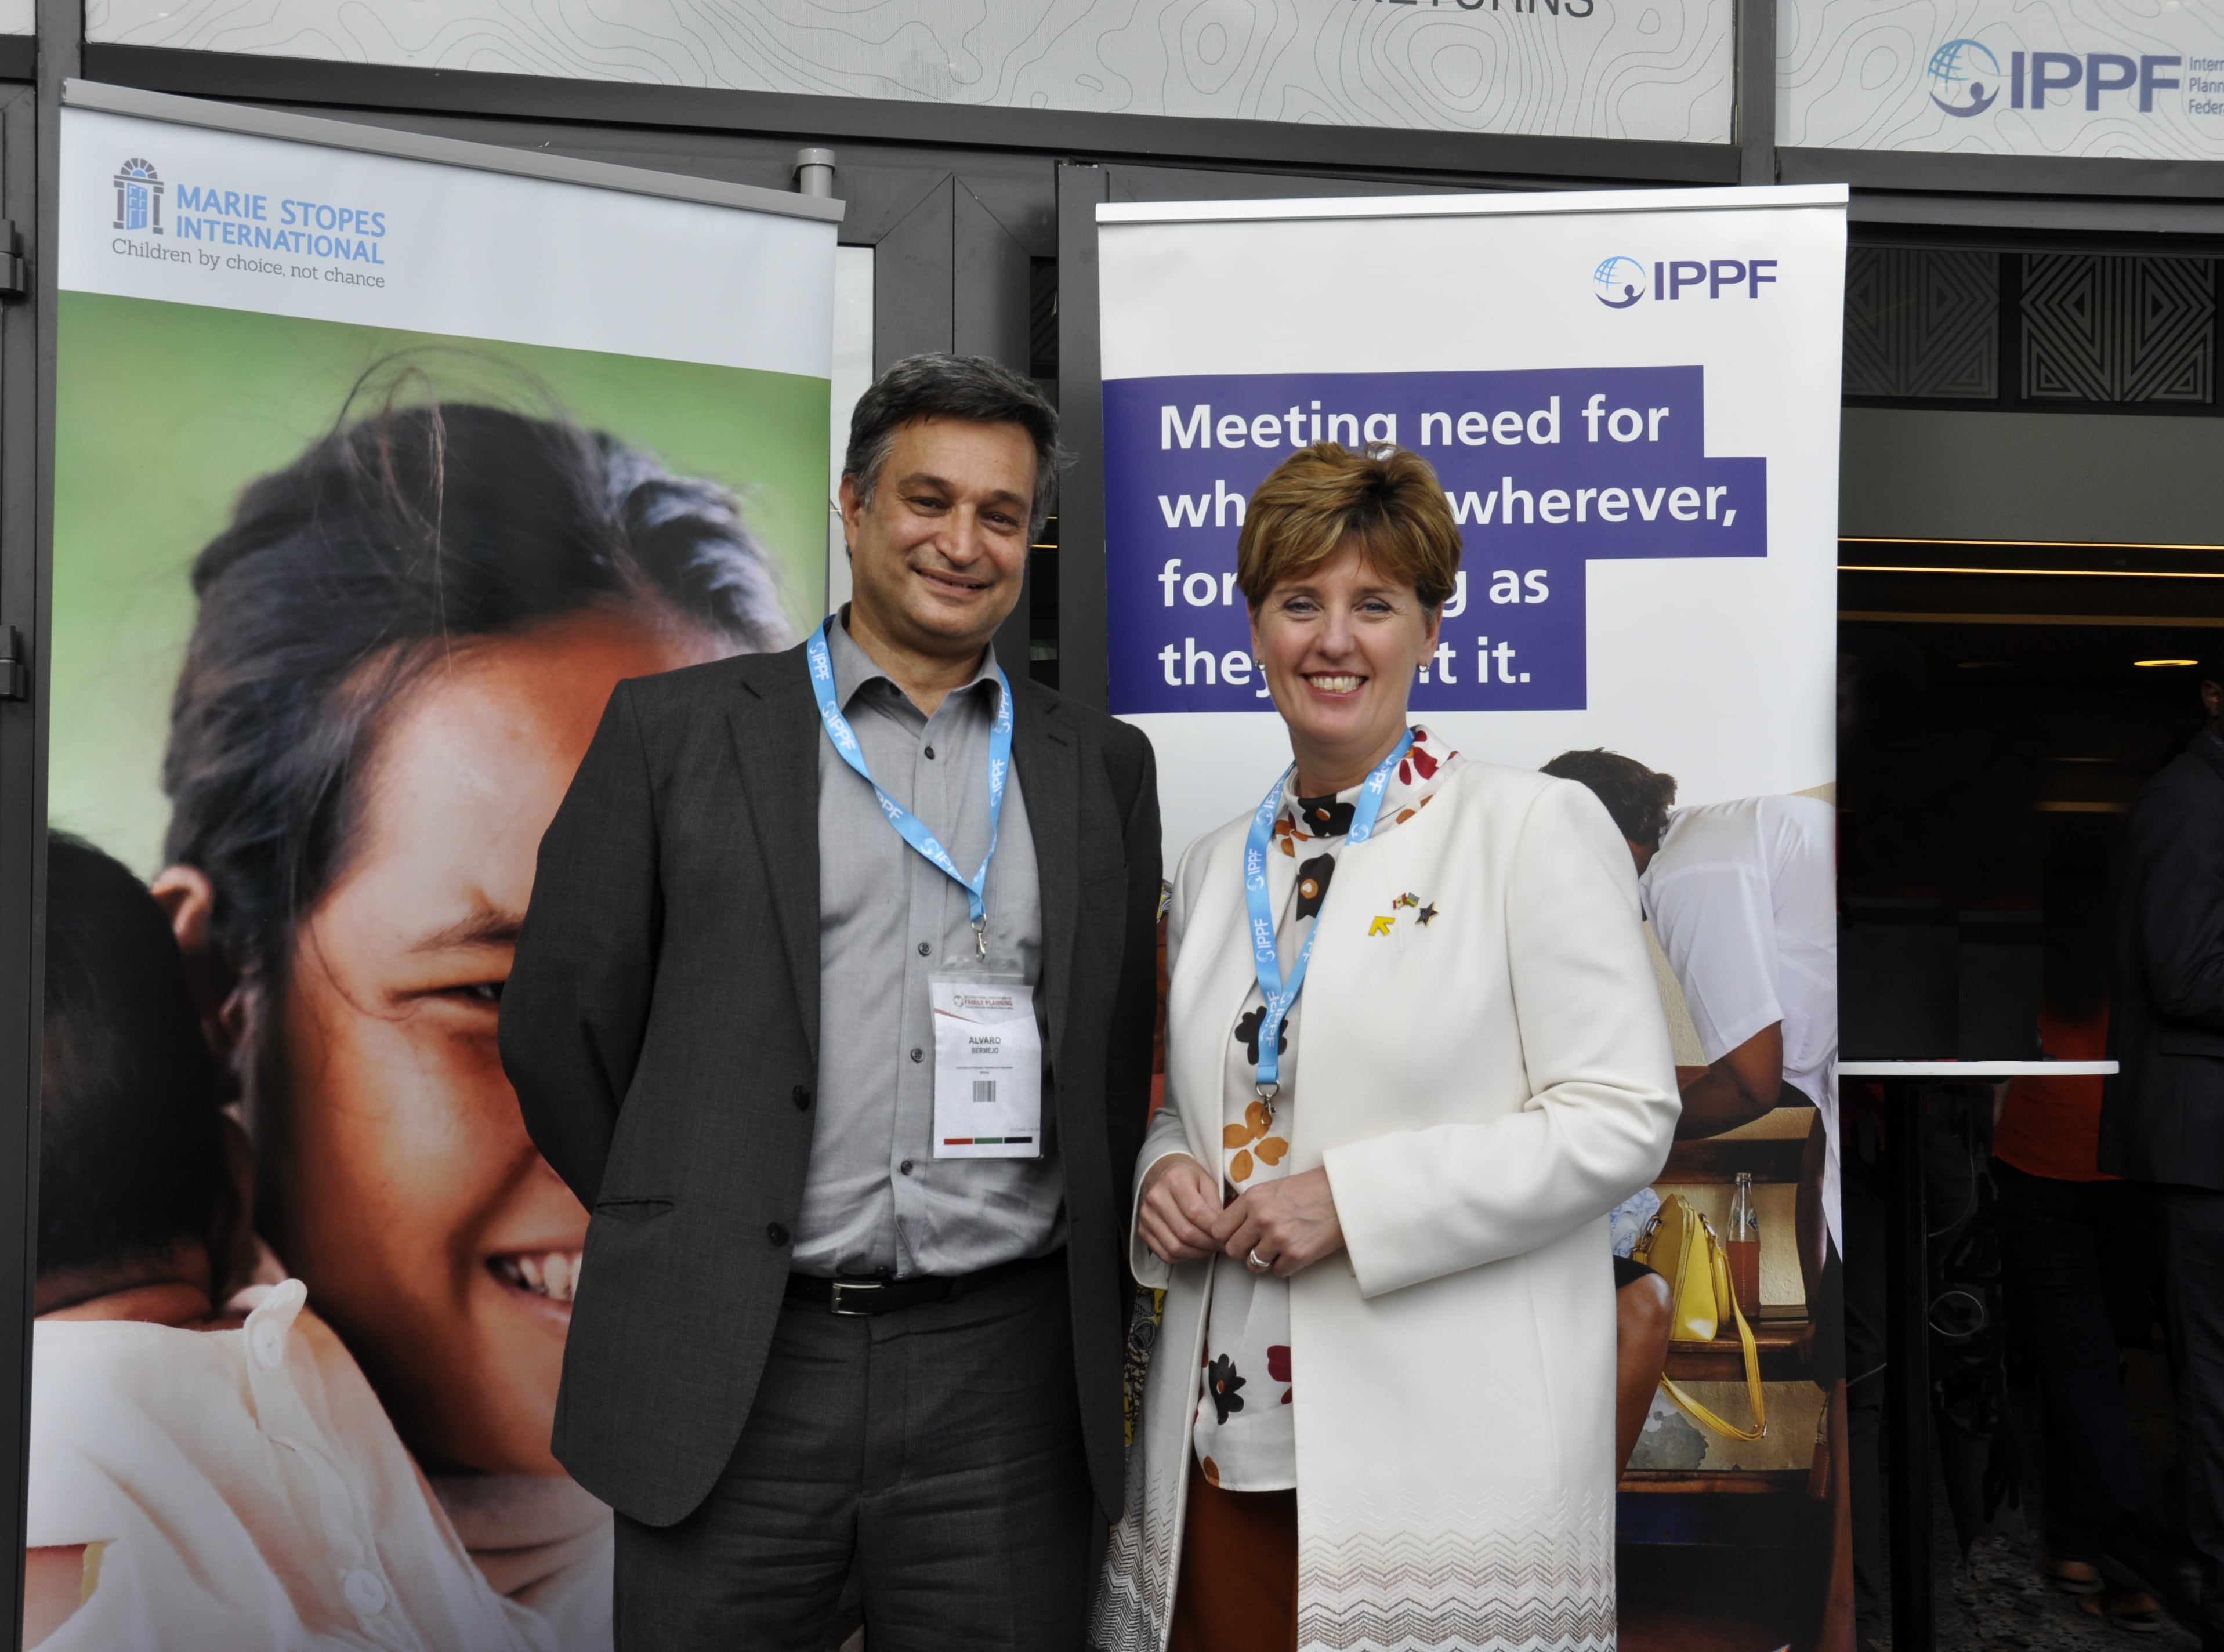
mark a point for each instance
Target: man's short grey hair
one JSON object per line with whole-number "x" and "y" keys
{"x": 936, "y": 385}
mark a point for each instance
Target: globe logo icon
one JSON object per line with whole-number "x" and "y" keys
{"x": 1619, "y": 282}
{"x": 1964, "y": 77}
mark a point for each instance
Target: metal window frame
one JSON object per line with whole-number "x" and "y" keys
{"x": 30, "y": 128}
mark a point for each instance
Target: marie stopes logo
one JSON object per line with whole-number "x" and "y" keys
{"x": 1619, "y": 281}
{"x": 138, "y": 197}
{"x": 221, "y": 214}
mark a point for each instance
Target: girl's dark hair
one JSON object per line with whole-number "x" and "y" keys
{"x": 130, "y": 1161}
{"x": 1637, "y": 797}
{"x": 398, "y": 538}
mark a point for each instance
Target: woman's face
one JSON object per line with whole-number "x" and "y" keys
{"x": 1340, "y": 646}
{"x": 410, "y": 1200}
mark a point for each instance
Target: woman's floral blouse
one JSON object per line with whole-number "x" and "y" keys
{"x": 1244, "y": 1433}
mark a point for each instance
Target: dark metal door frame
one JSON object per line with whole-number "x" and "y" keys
{"x": 29, "y": 159}
{"x": 953, "y": 259}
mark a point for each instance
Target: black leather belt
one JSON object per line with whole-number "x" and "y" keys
{"x": 854, "y": 1297}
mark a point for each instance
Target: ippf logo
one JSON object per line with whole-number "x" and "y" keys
{"x": 138, "y": 197}
{"x": 1621, "y": 281}
{"x": 1959, "y": 82}
{"x": 1966, "y": 75}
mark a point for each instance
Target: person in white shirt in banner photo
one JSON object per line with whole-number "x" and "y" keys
{"x": 1742, "y": 896}
{"x": 1415, "y": 1054}
{"x": 206, "y": 1475}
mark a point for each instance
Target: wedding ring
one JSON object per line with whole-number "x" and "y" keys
{"x": 1255, "y": 1265}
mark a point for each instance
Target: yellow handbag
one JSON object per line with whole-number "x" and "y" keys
{"x": 1679, "y": 1245}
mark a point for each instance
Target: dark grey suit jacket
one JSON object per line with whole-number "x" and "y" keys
{"x": 2163, "y": 1119}
{"x": 661, "y": 1027}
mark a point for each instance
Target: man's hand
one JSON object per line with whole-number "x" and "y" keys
{"x": 1179, "y": 1207}
{"x": 1290, "y": 1222}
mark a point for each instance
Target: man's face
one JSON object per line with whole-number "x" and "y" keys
{"x": 2212, "y": 707}
{"x": 937, "y": 558}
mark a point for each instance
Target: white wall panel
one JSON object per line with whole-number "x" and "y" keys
{"x": 1959, "y": 76}
{"x": 1656, "y": 69}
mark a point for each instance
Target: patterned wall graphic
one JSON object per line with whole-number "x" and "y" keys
{"x": 2119, "y": 329}
{"x": 2141, "y": 79}
{"x": 1657, "y": 69}
{"x": 1923, "y": 324}
{"x": 2083, "y": 331}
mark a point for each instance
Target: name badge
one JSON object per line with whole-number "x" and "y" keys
{"x": 987, "y": 1063}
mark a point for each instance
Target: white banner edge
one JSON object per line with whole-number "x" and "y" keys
{"x": 1774, "y": 197}
{"x": 103, "y": 98}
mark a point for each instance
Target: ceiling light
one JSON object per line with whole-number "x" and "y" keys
{"x": 2164, "y": 662}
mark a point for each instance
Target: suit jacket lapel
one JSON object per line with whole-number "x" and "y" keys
{"x": 777, "y": 733}
{"x": 1050, "y": 780}
{"x": 2207, "y": 750}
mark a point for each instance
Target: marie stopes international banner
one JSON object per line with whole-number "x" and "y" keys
{"x": 1631, "y": 401}
{"x": 374, "y": 472}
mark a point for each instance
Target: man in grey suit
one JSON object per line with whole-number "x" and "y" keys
{"x": 834, "y": 1005}
{"x": 2162, "y": 1119}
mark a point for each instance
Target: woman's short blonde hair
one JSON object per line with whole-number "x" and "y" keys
{"x": 1324, "y": 496}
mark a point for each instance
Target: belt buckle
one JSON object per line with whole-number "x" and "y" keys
{"x": 864, "y": 1287}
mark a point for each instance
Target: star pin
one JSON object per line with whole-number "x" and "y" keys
{"x": 1427, "y": 912}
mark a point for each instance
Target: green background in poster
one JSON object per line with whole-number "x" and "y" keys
{"x": 165, "y": 411}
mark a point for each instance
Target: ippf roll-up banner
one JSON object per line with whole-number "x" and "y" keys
{"x": 379, "y": 460}
{"x": 1631, "y": 401}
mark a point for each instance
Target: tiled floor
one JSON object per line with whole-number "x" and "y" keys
{"x": 1998, "y": 1602}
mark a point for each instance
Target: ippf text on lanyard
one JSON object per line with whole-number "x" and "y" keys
{"x": 908, "y": 825}
{"x": 1276, "y": 994}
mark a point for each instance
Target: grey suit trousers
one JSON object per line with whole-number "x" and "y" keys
{"x": 939, "y": 1446}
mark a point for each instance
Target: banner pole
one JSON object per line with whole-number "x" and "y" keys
{"x": 1756, "y": 92}
{"x": 1082, "y": 659}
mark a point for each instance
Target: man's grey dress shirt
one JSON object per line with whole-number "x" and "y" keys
{"x": 875, "y": 1199}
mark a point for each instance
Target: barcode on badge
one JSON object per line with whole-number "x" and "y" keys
{"x": 984, "y": 1089}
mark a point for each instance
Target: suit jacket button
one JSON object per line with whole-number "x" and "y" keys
{"x": 777, "y": 1233}
{"x": 802, "y": 1095}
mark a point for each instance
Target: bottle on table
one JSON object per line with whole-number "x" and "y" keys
{"x": 1742, "y": 1242}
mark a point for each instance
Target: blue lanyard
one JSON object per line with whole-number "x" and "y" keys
{"x": 1264, "y": 957}
{"x": 906, "y": 824}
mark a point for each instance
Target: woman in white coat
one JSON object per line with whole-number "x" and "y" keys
{"x": 1414, "y": 1055}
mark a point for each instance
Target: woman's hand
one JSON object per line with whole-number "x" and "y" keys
{"x": 1290, "y": 1222}
{"x": 1180, "y": 1206}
